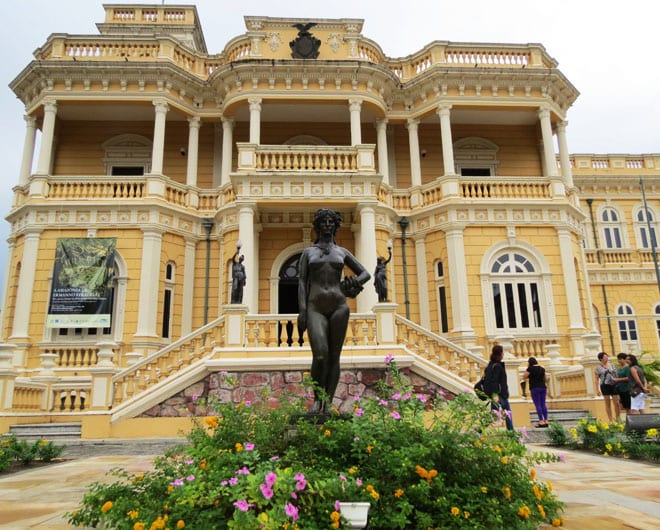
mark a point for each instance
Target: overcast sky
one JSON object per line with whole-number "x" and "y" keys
{"x": 607, "y": 49}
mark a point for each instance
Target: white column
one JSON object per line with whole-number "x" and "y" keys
{"x": 355, "y": 107}
{"x": 188, "y": 286}
{"x": 28, "y": 149}
{"x": 381, "y": 140}
{"x": 548, "y": 149}
{"x": 149, "y": 281}
{"x": 570, "y": 279}
{"x": 413, "y": 142}
{"x": 247, "y": 238}
{"x": 158, "y": 148}
{"x": 217, "y": 154}
{"x": 193, "y": 150}
{"x": 447, "y": 142}
{"x": 422, "y": 282}
{"x": 458, "y": 281}
{"x": 11, "y": 244}
{"x": 47, "y": 135}
{"x": 23, "y": 306}
{"x": 366, "y": 254}
{"x": 227, "y": 140}
{"x": 564, "y": 159}
{"x": 255, "y": 120}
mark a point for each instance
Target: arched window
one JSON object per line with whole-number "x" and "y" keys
{"x": 611, "y": 227}
{"x": 516, "y": 292}
{"x": 168, "y": 300}
{"x": 627, "y": 325}
{"x": 127, "y": 154}
{"x": 475, "y": 157}
{"x": 645, "y": 228}
{"x": 442, "y": 296}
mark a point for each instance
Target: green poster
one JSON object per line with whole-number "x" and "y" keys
{"x": 82, "y": 292}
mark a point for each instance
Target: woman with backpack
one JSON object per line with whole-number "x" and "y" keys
{"x": 496, "y": 386}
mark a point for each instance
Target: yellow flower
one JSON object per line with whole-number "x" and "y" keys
{"x": 466, "y": 514}
{"x": 327, "y": 433}
{"x": 592, "y": 429}
{"x": 603, "y": 426}
{"x": 541, "y": 510}
{"x": 263, "y": 517}
{"x": 180, "y": 524}
{"x": 652, "y": 432}
{"x": 484, "y": 489}
{"x": 455, "y": 511}
{"x": 334, "y": 516}
{"x": 537, "y": 492}
{"x": 398, "y": 493}
{"x": 238, "y": 446}
{"x": 211, "y": 421}
{"x": 170, "y": 489}
{"x": 497, "y": 449}
{"x": 557, "y": 522}
{"x": 507, "y": 492}
{"x": 138, "y": 526}
{"x": 133, "y": 514}
{"x": 504, "y": 460}
{"x": 375, "y": 495}
{"x": 532, "y": 474}
{"x": 608, "y": 447}
{"x": 352, "y": 470}
{"x": 370, "y": 448}
{"x": 549, "y": 484}
{"x": 106, "y": 507}
{"x": 202, "y": 464}
{"x": 524, "y": 512}
{"x": 573, "y": 432}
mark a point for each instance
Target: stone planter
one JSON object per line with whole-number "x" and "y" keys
{"x": 356, "y": 513}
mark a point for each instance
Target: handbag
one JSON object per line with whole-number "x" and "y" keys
{"x": 479, "y": 388}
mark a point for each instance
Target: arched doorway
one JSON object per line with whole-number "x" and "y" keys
{"x": 287, "y": 299}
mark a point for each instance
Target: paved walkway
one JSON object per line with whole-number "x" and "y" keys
{"x": 601, "y": 493}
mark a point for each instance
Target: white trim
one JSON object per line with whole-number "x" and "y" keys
{"x": 274, "y": 278}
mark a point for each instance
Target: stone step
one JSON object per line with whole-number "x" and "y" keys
{"x": 563, "y": 416}
{"x": 49, "y": 431}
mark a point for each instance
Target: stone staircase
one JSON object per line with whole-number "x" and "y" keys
{"x": 565, "y": 417}
{"x": 48, "y": 431}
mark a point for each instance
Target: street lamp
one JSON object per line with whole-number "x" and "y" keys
{"x": 404, "y": 223}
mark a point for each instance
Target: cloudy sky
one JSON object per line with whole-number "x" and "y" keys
{"x": 607, "y": 49}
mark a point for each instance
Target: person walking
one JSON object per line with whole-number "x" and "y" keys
{"x": 623, "y": 384}
{"x": 638, "y": 386}
{"x": 604, "y": 379}
{"x": 538, "y": 387}
{"x": 496, "y": 386}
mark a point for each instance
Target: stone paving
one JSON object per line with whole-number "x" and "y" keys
{"x": 601, "y": 493}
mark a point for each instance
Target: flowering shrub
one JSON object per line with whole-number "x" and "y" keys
{"x": 421, "y": 462}
{"x": 25, "y": 452}
{"x": 608, "y": 439}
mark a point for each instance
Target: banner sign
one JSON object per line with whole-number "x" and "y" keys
{"x": 82, "y": 292}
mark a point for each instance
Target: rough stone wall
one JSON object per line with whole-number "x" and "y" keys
{"x": 241, "y": 387}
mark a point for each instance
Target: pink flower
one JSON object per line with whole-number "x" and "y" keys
{"x": 358, "y": 481}
{"x": 356, "y": 398}
{"x": 189, "y": 462}
{"x": 249, "y": 446}
{"x": 195, "y": 397}
{"x": 406, "y": 396}
{"x": 233, "y": 481}
{"x": 383, "y": 403}
{"x": 396, "y": 396}
{"x": 422, "y": 398}
{"x": 291, "y": 511}
{"x": 562, "y": 457}
{"x": 243, "y": 471}
{"x": 242, "y": 505}
{"x": 248, "y": 403}
{"x": 389, "y": 359}
{"x": 396, "y": 415}
{"x": 274, "y": 457}
{"x": 301, "y": 482}
{"x": 270, "y": 479}
{"x": 177, "y": 482}
{"x": 190, "y": 478}
{"x": 266, "y": 491}
{"x": 337, "y": 506}
{"x": 359, "y": 412}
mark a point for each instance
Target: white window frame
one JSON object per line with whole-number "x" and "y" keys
{"x": 474, "y": 152}
{"x": 611, "y": 229}
{"x": 642, "y": 228}
{"x": 627, "y": 328}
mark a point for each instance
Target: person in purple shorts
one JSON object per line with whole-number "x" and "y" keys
{"x": 535, "y": 374}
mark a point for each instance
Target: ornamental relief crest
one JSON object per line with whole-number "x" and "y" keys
{"x": 273, "y": 40}
{"x": 334, "y": 41}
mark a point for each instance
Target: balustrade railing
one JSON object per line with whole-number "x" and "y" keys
{"x": 571, "y": 383}
{"x": 504, "y": 189}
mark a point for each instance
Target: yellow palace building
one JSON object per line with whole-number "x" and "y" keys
{"x": 165, "y": 162}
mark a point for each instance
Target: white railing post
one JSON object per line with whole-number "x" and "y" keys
{"x": 102, "y": 391}
{"x": 385, "y": 324}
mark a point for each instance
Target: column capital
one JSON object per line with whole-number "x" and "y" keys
{"x": 160, "y": 105}
{"x": 255, "y": 104}
{"x": 561, "y": 126}
{"x": 544, "y": 111}
{"x": 50, "y": 105}
{"x": 444, "y": 109}
{"x": 194, "y": 122}
{"x": 381, "y": 123}
{"x": 355, "y": 104}
{"x": 30, "y": 121}
{"x": 412, "y": 124}
{"x": 227, "y": 123}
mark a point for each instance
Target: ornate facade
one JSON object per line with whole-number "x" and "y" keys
{"x": 448, "y": 155}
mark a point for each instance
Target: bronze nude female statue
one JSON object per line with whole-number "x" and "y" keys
{"x": 323, "y": 310}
